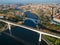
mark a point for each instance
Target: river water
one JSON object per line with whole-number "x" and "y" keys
{"x": 25, "y": 35}
{"x": 21, "y": 36}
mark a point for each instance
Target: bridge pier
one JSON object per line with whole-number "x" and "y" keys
{"x": 9, "y": 26}
{"x": 40, "y": 37}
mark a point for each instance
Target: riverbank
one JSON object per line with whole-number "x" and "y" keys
{"x": 4, "y": 28}
{"x": 53, "y": 40}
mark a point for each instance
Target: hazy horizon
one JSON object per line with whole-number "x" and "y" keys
{"x": 28, "y": 1}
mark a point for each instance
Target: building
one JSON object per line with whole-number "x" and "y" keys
{"x": 57, "y": 18}
{"x": 1, "y": 16}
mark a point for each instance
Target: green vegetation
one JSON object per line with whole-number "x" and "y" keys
{"x": 2, "y": 24}
{"x": 12, "y": 9}
{"x": 47, "y": 23}
{"x": 5, "y": 11}
{"x": 15, "y": 19}
{"x": 53, "y": 40}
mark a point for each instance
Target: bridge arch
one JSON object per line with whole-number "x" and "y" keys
{"x": 33, "y": 20}
{"x": 30, "y": 22}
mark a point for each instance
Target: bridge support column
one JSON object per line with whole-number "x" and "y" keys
{"x": 9, "y": 26}
{"x": 40, "y": 37}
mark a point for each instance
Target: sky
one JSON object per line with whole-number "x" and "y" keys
{"x": 29, "y": 1}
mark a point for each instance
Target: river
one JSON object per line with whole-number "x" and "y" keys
{"x": 21, "y": 36}
{"x": 28, "y": 36}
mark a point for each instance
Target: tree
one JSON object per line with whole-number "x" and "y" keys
{"x": 57, "y": 42}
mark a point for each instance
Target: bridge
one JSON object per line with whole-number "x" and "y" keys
{"x": 34, "y": 20}
{"x": 34, "y": 30}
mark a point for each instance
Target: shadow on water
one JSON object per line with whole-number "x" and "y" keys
{"x": 7, "y": 40}
{"x": 29, "y": 23}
